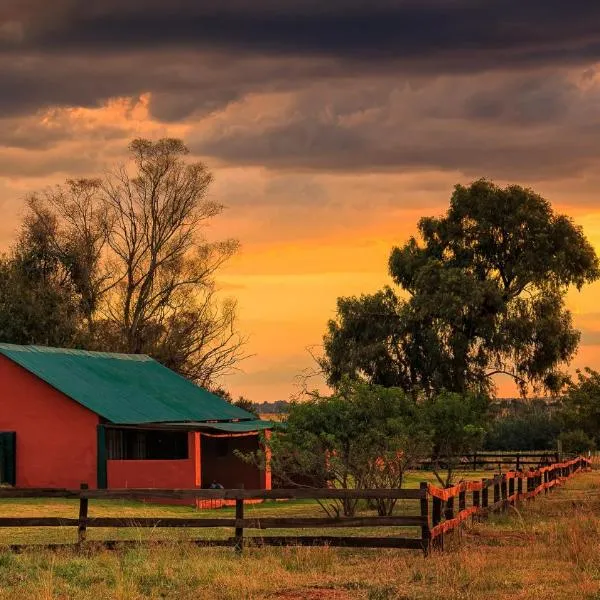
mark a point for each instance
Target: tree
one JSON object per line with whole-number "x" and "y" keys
{"x": 164, "y": 303}
{"x": 576, "y": 441}
{"x": 38, "y": 304}
{"x": 75, "y": 225}
{"x": 528, "y": 426}
{"x": 361, "y": 437}
{"x": 483, "y": 294}
{"x": 581, "y": 405}
{"x": 458, "y": 422}
{"x": 130, "y": 248}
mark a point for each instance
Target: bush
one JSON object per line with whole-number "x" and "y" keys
{"x": 576, "y": 441}
{"x": 531, "y": 428}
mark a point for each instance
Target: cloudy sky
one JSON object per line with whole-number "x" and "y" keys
{"x": 331, "y": 127}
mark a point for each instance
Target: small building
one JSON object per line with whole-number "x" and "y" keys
{"x": 117, "y": 421}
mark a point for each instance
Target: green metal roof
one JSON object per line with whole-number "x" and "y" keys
{"x": 240, "y": 426}
{"x": 123, "y": 388}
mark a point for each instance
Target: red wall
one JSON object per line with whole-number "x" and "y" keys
{"x": 163, "y": 474}
{"x": 56, "y": 437}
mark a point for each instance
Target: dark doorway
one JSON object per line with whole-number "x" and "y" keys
{"x": 221, "y": 463}
{"x": 8, "y": 464}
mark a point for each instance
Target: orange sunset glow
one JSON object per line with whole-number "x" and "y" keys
{"x": 325, "y": 152}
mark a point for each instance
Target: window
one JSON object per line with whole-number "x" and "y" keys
{"x": 146, "y": 444}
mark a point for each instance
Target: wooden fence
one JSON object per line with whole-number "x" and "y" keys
{"x": 435, "y": 517}
{"x": 473, "y": 497}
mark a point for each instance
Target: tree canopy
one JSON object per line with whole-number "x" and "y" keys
{"x": 581, "y": 409}
{"x": 482, "y": 293}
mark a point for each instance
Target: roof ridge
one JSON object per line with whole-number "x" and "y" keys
{"x": 73, "y": 351}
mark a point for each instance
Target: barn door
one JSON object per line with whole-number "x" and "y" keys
{"x": 7, "y": 457}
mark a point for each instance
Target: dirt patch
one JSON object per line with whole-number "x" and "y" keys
{"x": 312, "y": 594}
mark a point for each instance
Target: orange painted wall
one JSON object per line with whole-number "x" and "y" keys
{"x": 56, "y": 437}
{"x": 162, "y": 474}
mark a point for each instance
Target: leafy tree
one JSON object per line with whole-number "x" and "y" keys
{"x": 576, "y": 441}
{"x": 581, "y": 405}
{"x": 361, "y": 437}
{"x": 483, "y": 294}
{"x": 532, "y": 426}
{"x": 130, "y": 253}
{"x": 38, "y": 304}
{"x": 458, "y": 422}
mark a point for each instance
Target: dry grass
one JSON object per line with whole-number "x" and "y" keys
{"x": 549, "y": 549}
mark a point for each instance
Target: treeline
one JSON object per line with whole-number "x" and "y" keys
{"x": 573, "y": 419}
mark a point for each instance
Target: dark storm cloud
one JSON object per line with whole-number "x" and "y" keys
{"x": 469, "y": 33}
{"x": 365, "y": 77}
{"x": 199, "y": 56}
{"x": 530, "y": 127}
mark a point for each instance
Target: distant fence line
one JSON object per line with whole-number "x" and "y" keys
{"x": 436, "y": 515}
{"x": 492, "y": 459}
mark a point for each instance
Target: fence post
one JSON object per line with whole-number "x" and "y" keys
{"x": 239, "y": 525}
{"x": 449, "y": 511}
{"x": 425, "y": 531}
{"x": 511, "y": 489}
{"x": 519, "y": 488}
{"x": 436, "y": 519}
{"x": 496, "y": 491}
{"x": 504, "y": 492}
{"x": 83, "y": 515}
{"x": 462, "y": 500}
{"x": 484, "y": 497}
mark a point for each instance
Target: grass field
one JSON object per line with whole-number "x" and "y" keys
{"x": 549, "y": 548}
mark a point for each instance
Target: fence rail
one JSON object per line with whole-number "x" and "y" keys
{"x": 436, "y": 515}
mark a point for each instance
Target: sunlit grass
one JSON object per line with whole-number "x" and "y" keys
{"x": 549, "y": 549}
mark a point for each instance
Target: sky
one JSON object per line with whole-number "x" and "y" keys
{"x": 331, "y": 127}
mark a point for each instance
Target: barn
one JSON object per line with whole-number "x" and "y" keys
{"x": 117, "y": 421}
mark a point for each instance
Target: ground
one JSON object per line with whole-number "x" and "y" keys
{"x": 547, "y": 548}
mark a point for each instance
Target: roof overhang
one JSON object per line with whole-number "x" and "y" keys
{"x": 249, "y": 426}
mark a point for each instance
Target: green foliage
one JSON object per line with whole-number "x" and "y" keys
{"x": 486, "y": 285}
{"x": 581, "y": 405}
{"x": 531, "y": 427}
{"x": 361, "y": 437}
{"x": 576, "y": 442}
{"x": 458, "y": 424}
{"x": 38, "y": 303}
